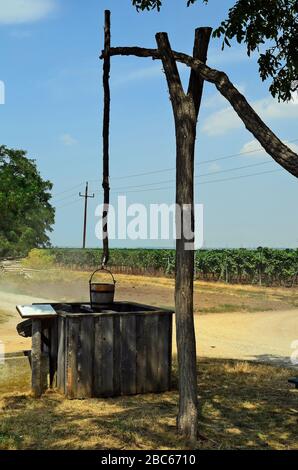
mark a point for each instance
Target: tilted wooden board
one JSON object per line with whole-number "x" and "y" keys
{"x": 36, "y": 311}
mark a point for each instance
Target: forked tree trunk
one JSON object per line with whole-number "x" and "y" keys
{"x": 185, "y": 109}
{"x": 187, "y": 421}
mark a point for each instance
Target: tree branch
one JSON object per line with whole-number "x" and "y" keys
{"x": 252, "y": 121}
{"x": 196, "y": 82}
{"x": 170, "y": 67}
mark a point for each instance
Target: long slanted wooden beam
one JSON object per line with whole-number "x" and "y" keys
{"x": 280, "y": 152}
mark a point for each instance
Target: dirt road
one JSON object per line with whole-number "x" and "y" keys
{"x": 260, "y": 336}
{"x": 263, "y": 336}
{"x": 9, "y": 318}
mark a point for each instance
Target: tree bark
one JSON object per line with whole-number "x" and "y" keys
{"x": 185, "y": 110}
{"x": 196, "y": 82}
{"x": 280, "y": 152}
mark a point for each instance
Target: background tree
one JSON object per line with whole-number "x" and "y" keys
{"x": 26, "y": 213}
{"x": 269, "y": 27}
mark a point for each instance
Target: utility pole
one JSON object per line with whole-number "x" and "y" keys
{"x": 86, "y": 196}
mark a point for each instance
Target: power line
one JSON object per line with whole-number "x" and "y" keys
{"x": 64, "y": 198}
{"x": 208, "y": 182}
{"x": 67, "y": 190}
{"x": 203, "y": 162}
{"x": 239, "y": 177}
{"x": 198, "y": 176}
{"x": 69, "y": 204}
{"x": 197, "y": 184}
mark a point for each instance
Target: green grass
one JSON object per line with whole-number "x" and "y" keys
{"x": 230, "y": 308}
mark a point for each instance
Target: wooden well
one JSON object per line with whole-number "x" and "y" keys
{"x": 124, "y": 349}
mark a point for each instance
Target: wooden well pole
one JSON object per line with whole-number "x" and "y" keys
{"x": 106, "y": 135}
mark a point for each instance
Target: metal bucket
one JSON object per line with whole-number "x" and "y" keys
{"x": 101, "y": 293}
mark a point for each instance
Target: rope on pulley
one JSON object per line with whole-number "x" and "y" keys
{"x": 106, "y": 136}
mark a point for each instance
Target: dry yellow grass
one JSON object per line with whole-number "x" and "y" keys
{"x": 242, "y": 406}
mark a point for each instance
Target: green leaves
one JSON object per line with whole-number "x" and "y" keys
{"x": 271, "y": 29}
{"x": 147, "y": 4}
{"x": 156, "y": 4}
{"x": 26, "y": 214}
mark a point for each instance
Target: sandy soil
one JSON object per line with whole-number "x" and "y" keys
{"x": 8, "y": 334}
{"x": 255, "y": 335}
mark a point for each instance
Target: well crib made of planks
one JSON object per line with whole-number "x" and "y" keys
{"x": 123, "y": 349}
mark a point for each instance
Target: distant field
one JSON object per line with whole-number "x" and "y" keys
{"x": 261, "y": 266}
{"x": 67, "y": 285}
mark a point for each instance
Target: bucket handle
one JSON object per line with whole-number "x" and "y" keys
{"x": 102, "y": 269}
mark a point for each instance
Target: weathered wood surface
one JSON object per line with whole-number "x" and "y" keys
{"x": 73, "y": 326}
{"x": 53, "y": 353}
{"x": 112, "y": 355}
{"x": 151, "y": 338}
{"x": 141, "y": 360}
{"x": 103, "y": 357}
{"x": 61, "y": 356}
{"x": 116, "y": 352}
{"x": 85, "y": 356}
{"x": 128, "y": 354}
{"x": 38, "y": 360}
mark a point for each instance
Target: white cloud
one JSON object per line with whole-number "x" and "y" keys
{"x": 140, "y": 74}
{"x": 24, "y": 11}
{"x": 226, "y": 119}
{"x": 68, "y": 140}
{"x": 255, "y": 149}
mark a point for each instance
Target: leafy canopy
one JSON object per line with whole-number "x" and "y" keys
{"x": 26, "y": 214}
{"x": 270, "y": 27}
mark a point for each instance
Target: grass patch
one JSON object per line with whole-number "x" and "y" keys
{"x": 242, "y": 406}
{"x": 230, "y": 308}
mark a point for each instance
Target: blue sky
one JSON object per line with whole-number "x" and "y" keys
{"x": 53, "y": 109}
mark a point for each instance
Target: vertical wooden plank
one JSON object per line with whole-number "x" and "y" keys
{"x": 45, "y": 354}
{"x": 141, "y": 359}
{"x": 85, "y": 348}
{"x": 128, "y": 354}
{"x": 53, "y": 352}
{"x": 73, "y": 327}
{"x": 163, "y": 353}
{"x": 103, "y": 357}
{"x": 116, "y": 356}
{"x": 61, "y": 379}
{"x": 170, "y": 345}
{"x": 151, "y": 332}
{"x": 36, "y": 358}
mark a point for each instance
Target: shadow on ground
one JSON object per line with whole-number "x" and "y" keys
{"x": 242, "y": 406}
